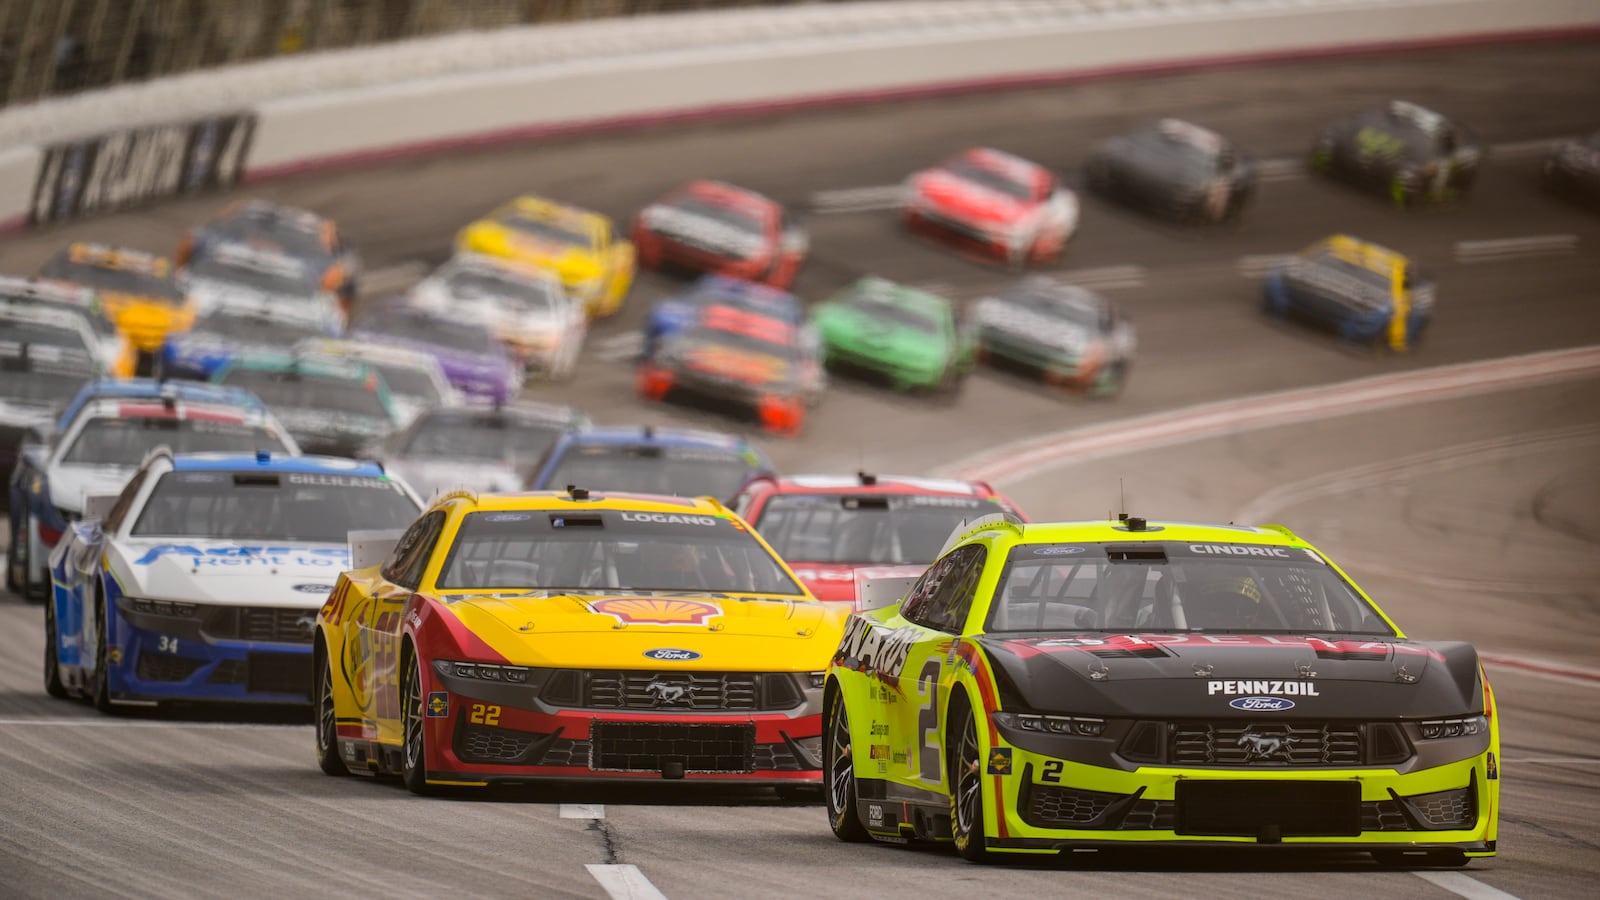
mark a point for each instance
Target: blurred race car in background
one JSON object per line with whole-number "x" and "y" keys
{"x": 577, "y": 245}
{"x": 475, "y": 448}
{"x": 908, "y": 336}
{"x": 671, "y": 643}
{"x": 472, "y": 357}
{"x": 1150, "y": 686}
{"x": 993, "y": 204}
{"x": 831, "y": 528}
{"x": 240, "y": 275}
{"x": 1174, "y": 169}
{"x": 527, "y": 308}
{"x": 35, "y": 379}
{"x": 332, "y": 406}
{"x": 677, "y": 312}
{"x": 200, "y": 581}
{"x": 114, "y": 352}
{"x": 241, "y": 325}
{"x": 1069, "y": 335}
{"x": 1572, "y": 170}
{"x": 683, "y": 462}
{"x": 1356, "y": 288}
{"x": 740, "y": 360}
{"x": 101, "y": 437}
{"x": 135, "y": 290}
{"x": 416, "y": 381}
{"x": 28, "y": 325}
{"x": 299, "y": 233}
{"x": 713, "y": 226}
{"x": 1410, "y": 152}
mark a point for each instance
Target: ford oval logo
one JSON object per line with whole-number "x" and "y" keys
{"x": 672, "y": 654}
{"x": 313, "y": 588}
{"x": 1261, "y": 704}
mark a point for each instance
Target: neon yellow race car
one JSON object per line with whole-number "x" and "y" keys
{"x": 1057, "y": 687}
{"x": 576, "y": 637}
{"x": 580, "y": 246}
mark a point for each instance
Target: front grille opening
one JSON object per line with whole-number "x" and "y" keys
{"x": 674, "y": 691}
{"x": 1279, "y": 743}
{"x": 266, "y": 624}
{"x": 1386, "y": 743}
{"x": 1445, "y": 809}
{"x": 279, "y": 673}
{"x": 1061, "y": 807}
{"x": 160, "y": 667}
{"x": 1143, "y": 743}
{"x": 1269, "y": 809}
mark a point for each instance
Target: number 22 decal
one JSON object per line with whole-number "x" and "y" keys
{"x": 928, "y": 722}
{"x": 484, "y": 715}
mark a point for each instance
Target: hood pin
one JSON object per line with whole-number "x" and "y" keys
{"x": 1203, "y": 670}
{"x": 1099, "y": 671}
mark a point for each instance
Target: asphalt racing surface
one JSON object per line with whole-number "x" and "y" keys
{"x": 1473, "y": 517}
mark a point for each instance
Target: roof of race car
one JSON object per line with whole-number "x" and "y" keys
{"x": 44, "y": 290}
{"x": 122, "y": 408}
{"x": 275, "y": 462}
{"x": 876, "y": 484}
{"x": 151, "y": 389}
{"x": 551, "y": 211}
{"x": 724, "y": 192}
{"x": 388, "y": 354}
{"x": 1115, "y": 531}
{"x": 666, "y": 437}
{"x": 598, "y": 501}
{"x": 1357, "y": 252}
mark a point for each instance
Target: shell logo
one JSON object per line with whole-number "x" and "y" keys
{"x": 656, "y": 611}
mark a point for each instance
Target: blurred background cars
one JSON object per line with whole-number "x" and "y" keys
{"x": 135, "y": 290}
{"x": 479, "y": 448}
{"x": 1410, "y": 152}
{"x": 332, "y": 406}
{"x": 908, "y": 337}
{"x": 416, "y": 381}
{"x": 1573, "y": 170}
{"x": 579, "y": 246}
{"x": 1174, "y": 169}
{"x": 293, "y": 232}
{"x": 647, "y": 460}
{"x": 1360, "y": 290}
{"x": 470, "y": 353}
{"x": 713, "y": 226}
{"x": 1067, "y": 335}
{"x": 527, "y": 308}
{"x": 993, "y": 204}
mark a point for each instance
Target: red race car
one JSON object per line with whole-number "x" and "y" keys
{"x": 989, "y": 203}
{"x": 711, "y": 226}
{"x": 830, "y": 528}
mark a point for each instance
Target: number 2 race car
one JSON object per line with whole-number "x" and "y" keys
{"x": 1048, "y": 688}
{"x": 573, "y": 636}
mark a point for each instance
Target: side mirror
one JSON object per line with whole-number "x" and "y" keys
{"x": 97, "y": 506}
{"x": 884, "y": 586}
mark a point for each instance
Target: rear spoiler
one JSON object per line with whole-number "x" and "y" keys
{"x": 369, "y": 548}
{"x": 880, "y": 586}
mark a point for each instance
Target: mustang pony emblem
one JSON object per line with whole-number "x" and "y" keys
{"x": 667, "y": 694}
{"x": 1263, "y": 746}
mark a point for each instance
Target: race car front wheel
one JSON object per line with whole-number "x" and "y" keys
{"x": 840, "y": 792}
{"x": 52, "y": 663}
{"x": 414, "y": 758}
{"x": 327, "y": 724}
{"x": 966, "y": 797}
{"x": 101, "y": 693}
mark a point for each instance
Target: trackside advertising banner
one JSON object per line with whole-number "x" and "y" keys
{"x": 125, "y": 168}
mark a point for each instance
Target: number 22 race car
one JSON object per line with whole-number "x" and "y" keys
{"x": 1050, "y": 688}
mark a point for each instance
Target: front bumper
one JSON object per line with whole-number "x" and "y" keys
{"x": 154, "y": 658}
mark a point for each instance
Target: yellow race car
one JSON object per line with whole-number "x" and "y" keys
{"x": 580, "y": 246}
{"x": 1050, "y": 688}
{"x": 1361, "y": 291}
{"x": 135, "y": 291}
{"x": 572, "y": 636}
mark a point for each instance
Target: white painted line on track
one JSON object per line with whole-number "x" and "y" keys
{"x": 1021, "y": 459}
{"x": 1260, "y": 264}
{"x": 583, "y": 811}
{"x": 618, "y": 347}
{"x": 1527, "y": 148}
{"x": 1105, "y": 277}
{"x": 861, "y": 199}
{"x": 1463, "y": 885}
{"x": 1269, "y": 170}
{"x": 624, "y": 882}
{"x": 1499, "y": 249}
{"x": 128, "y": 723}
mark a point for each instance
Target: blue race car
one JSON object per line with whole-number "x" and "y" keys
{"x": 681, "y": 461}
{"x": 1357, "y": 289}
{"x": 97, "y": 443}
{"x": 201, "y": 579}
{"x": 677, "y": 313}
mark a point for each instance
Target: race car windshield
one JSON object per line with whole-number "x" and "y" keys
{"x": 125, "y": 441}
{"x": 707, "y": 336}
{"x": 520, "y": 294}
{"x": 875, "y": 305}
{"x": 36, "y": 334}
{"x": 452, "y": 437}
{"x": 1180, "y": 159}
{"x": 546, "y": 230}
{"x": 296, "y": 235}
{"x": 143, "y": 285}
{"x": 278, "y": 283}
{"x": 684, "y": 471}
{"x": 727, "y": 215}
{"x": 462, "y": 335}
{"x": 307, "y": 390}
{"x": 988, "y": 178}
{"x": 40, "y": 386}
{"x": 312, "y": 507}
{"x": 1149, "y": 588}
{"x": 264, "y": 329}
{"x": 611, "y": 550}
{"x": 408, "y": 381}
{"x": 864, "y": 530}
{"x": 1077, "y": 310}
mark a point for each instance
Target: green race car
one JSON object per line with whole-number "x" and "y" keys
{"x": 1048, "y": 688}
{"x": 908, "y": 336}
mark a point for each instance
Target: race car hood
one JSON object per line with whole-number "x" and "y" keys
{"x": 1234, "y": 676}
{"x": 209, "y": 293}
{"x": 331, "y": 425}
{"x": 729, "y": 362}
{"x": 278, "y": 574}
{"x": 21, "y": 414}
{"x": 966, "y": 200}
{"x": 69, "y": 484}
{"x": 686, "y": 227}
{"x": 617, "y": 631}
{"x": 429, "y": 476}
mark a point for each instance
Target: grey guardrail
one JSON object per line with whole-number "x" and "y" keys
{"x": 295, "y": 114}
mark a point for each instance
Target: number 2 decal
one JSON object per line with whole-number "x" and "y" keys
{"x": 928, "y": 722}
{"x": 1051, "y": 774}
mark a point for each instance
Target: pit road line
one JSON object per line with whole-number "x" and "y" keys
{"x": 1463, "y": 885}
{"x": 583, "y": 811}
{"x": 622, "y": 882}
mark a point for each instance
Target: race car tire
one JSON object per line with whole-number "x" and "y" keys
{"x": 16, "y": 562}
{"x": 966, "y": 795}
{"x": 52, "y": 662}
{"x": 839, "y": 793}
{"x": 327, "y": 723}
{"x": 35, "y": 590}
{"x": 950, "y": 384}
{"x": 414, "y": 752}
{"x": 100, "y": 694}
{"x": 1401, "y": 859}
{"x": 1108, "y": 382}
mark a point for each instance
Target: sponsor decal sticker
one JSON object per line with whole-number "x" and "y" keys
{"x": 314, "y": 588}
{"x": 878, "y": 751}
{"x": 1240, "y": 550}
{"x": 671, "y": 654}
{"x": 1494, "y": 767}
{"x": 1280, "y": 688}
{"x": 1057, "y": 551}
{"x": 438, "y": 704}
{"x": 1000, "y": 761}
{"x": 507, "y": 517}
{"x": 323, "y": 557}
{"x": 1261, "y": 704}
{"x": 868, "y": 648}
{"x": 668, "y": 518}
{"x": 656, "y": 611}
{"x": 874, "y": 814}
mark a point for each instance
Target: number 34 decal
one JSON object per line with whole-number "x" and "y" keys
{"x": 481, "y": 714}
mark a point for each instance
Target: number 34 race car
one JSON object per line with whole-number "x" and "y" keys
{"x": 1049, "y": 688}
{"x": 572, "y": 636}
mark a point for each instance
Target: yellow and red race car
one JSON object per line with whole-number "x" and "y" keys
{"x": 135, "y": 291}
{"x": 572, "y": 636}
{"x": 580, "y": 246}
{"x": 1052, "y": 688}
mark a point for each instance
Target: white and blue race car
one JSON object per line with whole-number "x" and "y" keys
{"x": 201, "y": 580}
